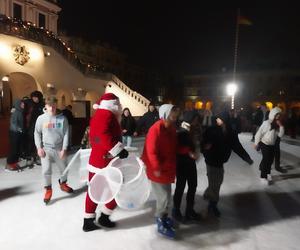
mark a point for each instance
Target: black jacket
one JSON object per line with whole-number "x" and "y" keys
{"x": 129, "y": 124}
{"x": 147, "y": 120}
{"x": 220, "y": 149}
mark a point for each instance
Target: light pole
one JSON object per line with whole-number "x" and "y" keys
{"x": 231, "y": 90}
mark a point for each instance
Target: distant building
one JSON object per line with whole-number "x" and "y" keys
{"x": 41, "y": 13}
{"x": 274, "y": 87}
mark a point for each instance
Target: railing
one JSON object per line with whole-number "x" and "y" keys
{"x": 131, "y": 93}
{"x": 26, "y": 30}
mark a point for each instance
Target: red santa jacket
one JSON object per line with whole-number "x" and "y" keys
{"x": 105, "y": 133}
{"x": 160, "y": 153}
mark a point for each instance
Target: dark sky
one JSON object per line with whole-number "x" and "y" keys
{"x": 187, "y": 38}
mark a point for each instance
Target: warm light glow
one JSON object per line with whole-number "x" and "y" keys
{"x": 5, "y": 79}
{"x": 199, "y": 105}
{"x": 208, "y": 105}
{"x": 50, "y": 85}
{"x": 231, "y": 89}
{"x": 5, "y": 51}
{"x": 35, "y": 54}
{"x": 48, "y": 53}
{"x": 269, "y": 105}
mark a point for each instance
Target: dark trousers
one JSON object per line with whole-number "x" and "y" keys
{"x": 240, "y": 151}
{"x": 28, "y": 148}
{"x": 267, "y": 159}
{"x": 186, "y": 172}
{"x": 277, "y": 152}
{"x": 15, "y": 140}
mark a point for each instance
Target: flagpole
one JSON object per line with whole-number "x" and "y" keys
{"x": 235, "y": 56}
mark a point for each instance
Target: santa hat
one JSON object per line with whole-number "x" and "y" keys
{"x": 106, "y": 98}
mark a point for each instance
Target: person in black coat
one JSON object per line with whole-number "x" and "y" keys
{"x": 216, "y": 147}
{"x": 16, "y": 130}
{"x": 33, "y": 109}
{"x": 147, "y": 120}
{"x": 128, "y": 126}
{"x": 186, "y": 171}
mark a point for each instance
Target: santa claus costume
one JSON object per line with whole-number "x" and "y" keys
{"x": 105, "y": 139}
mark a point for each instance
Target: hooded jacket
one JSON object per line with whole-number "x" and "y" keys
{"x": 159, "y": 152}
{"x": 265, "y": 133}
{"x": 16, "y": 119}
{"x": 51, "y": 131}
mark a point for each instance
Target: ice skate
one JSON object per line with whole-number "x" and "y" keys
{"x": 191, "y": 215}
{"x": 64, "y": 187}
{"x": 213, "y": 209}
{"x": 164, "y": 229}
{"x": 176, "y": 215}
{"x": 48, "y": 194}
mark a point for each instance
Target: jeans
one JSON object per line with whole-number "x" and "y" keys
{"x": 127, "y": 140}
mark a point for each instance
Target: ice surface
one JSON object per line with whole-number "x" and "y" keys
{"x": 253, "y": 216}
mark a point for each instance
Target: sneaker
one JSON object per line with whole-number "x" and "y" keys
{"x": 48, "y": 194}
{"x": 176, "y": 214}
{"x": 168, "y": 221}
{"x": 64, "y": 187}
{"x": 89, "y": 225}
{"x": 192, "y": 215}
{"x": 105, "y": 221}
{"x": 164, "y": 229}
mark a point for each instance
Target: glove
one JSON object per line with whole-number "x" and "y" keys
{"x": 123, "y": 154}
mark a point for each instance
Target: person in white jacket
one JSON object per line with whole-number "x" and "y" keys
{"x": 265, "y": 138}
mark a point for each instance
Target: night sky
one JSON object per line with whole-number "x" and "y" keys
{"x": 187, "y": 38}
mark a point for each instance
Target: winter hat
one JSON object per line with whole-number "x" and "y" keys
{"x": 273, "y": 113}
{"x": 165, "y": 110}
{"x": 37, "y": 94}
{"x": 107, "y": 97}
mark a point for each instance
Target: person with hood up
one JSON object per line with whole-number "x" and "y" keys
{"x": 16, "y": 130}
{"x": 159, "y": 156}
{"x": 33, "y": 109}
{"x": 105, "y": 139}
{"x": 147, "y": 120}
{"x": 51, "y": 141}
{"x": 265, "y": 138}
{"x": 216, "y": 148}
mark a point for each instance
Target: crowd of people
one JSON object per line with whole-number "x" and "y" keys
{"x": 174, "y": 141}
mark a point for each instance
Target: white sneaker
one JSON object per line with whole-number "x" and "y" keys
{"x": 264, "y": 182}
{"x": 269, "y": 177}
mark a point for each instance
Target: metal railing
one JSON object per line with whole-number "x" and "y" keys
{"x": 27, "y": 31}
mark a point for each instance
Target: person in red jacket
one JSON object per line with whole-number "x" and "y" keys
{"x": 105, "y": 137}
{"x": 159, "y": 156}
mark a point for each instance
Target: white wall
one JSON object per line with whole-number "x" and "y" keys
{"x": 58, "y": 72}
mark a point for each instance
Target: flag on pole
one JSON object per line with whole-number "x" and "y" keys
{"x": 244, "y": 21}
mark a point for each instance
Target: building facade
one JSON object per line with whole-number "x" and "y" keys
{"x": 33, "y": 58}
{"x": 274, "y": 87}
{"x": 41, "y": 13}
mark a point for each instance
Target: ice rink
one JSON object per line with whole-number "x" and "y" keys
{"x": 253, "y": 216}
